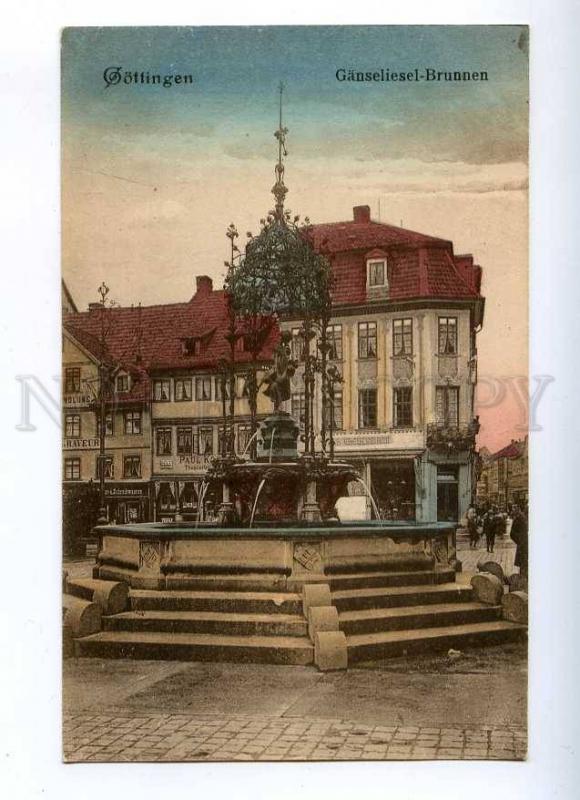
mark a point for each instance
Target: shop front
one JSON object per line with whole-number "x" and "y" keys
{"x": 127, "y": 502}
{"x": 182, "y": 499}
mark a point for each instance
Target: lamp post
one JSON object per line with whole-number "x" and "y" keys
{"x": 102, "y": 408}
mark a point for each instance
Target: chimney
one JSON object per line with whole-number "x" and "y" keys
{"x": 361, "y": 213}
{"x": 204, "y": 285}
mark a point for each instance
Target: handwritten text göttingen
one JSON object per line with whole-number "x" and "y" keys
{"x": 118, "y": 76}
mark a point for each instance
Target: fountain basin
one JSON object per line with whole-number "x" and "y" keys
{"x": 172, "y": 555}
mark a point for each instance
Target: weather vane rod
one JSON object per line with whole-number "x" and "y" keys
{"x": 279, "y": 190}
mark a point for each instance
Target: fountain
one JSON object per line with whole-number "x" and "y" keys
{"x": 278, "y": 559}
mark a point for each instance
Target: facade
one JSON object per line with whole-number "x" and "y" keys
{"x": 406, "y": 311}
{"x": 127, "y": 462}
{"x": 164, "y": 406}
{"x": 503, "y": 478}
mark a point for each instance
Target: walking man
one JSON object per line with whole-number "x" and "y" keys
{"x": 472, "y": 527}
{"x": 489, "y": 528}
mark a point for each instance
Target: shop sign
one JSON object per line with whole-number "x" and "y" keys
{"x": 78, "y": 400}
{"x": 377, "y": 440}
{"x": 80, "y": 444}
{"x": 193, "y": 463}
{"x": 124, "y": 491}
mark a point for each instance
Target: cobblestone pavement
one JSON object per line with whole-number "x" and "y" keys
{"x": 181, "y": 737}
{"x": 504, "y": 553}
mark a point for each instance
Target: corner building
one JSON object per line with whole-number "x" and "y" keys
{"x": 406, "y": 312}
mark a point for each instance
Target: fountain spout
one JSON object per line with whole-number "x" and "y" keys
{"x": 257, "y": 497}
{"x": 370, "y": 496}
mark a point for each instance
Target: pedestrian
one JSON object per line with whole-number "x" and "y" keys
{"x": 472, "y": 527}
{"x": 519, "y": 534}
{"x": 489, "y": 529}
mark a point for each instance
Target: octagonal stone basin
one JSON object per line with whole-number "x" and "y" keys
{"x": 169, "y": 555}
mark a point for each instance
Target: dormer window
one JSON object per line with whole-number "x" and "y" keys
{"x": 377, "y": 273}
{"x": 191, "y": 346}
{"x": 122, "y": 383}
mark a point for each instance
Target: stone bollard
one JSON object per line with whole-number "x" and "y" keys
{"x": 493, "y": 568}
{"x": 514, "y": 607}
{"x": 315, "y": 594}
{"x": 518, "y": 582}
{"x": 330, "y": 651}
{"x": 81, "y": 616}
{"x": 111, "y": 596}
{"x": 487, "y": 588}
{"x": 322, "y": 618}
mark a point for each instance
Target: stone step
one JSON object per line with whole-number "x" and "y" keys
{"x": 197, "y": 647}
{"x": 413, "y": 617}
{"x": 223, "y": 602}
{"x": 352, "y": 599}
{"x": 370, "y": 580}
{"x": 208, "y": 622}
{"x": 250, "y": 582}
{"x": 394, "y": 643}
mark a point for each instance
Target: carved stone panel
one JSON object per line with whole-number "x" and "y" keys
{"x": 402, "y": 369}
{"x": 149, "y": 556}
{"x": 307, "y": 557}
{"x": 448, "y": 366}
{"x": 367, "y": 370}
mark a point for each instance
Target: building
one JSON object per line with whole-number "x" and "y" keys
{"x": 406, "y": 312}
{"x": 127, "y": 462}
{"x": 164, "y": 406}
{"x": 503, "y": 478}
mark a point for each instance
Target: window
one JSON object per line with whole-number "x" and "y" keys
{"x": 163, "y": 441}
{"x": 132, "y": 467}
{"x": 162, "y": 390}
{"x": 203, "y": 388}
{"x": 72, "y": 425}
{"x": 244, "y": 436}
{"x": 403, "y": 407}
{"x": 402, "y": 337}
{"x": 108, "y": 424}
{"x": 182, "y": 389}
{"x": 72, "y": 469}
{"x": 191, "y": 346}
{"x": 205, "y": 436}
{"x": 298, "y": 407}
{"x": 72, "y": 380}
{"x": 132, "y": 422}
{"x": 336, "y": 422}
{"x": 367, "y": 340}
{"x": 377, "y": 273}
{"x": 109, "y": 467}
{"x": 447, "y": 406}
{"x": 297, "y": 345}
{"x": 122, "y": 383}
{"x": 448, "y": 336}
{"x": 184, "y": 441}
{"x": 334, "y": 339}
{"x": 218, "y": 387}
{"x": 242, "y": 387}
{"x": 367, "y": 408}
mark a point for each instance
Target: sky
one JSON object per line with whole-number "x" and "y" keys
{"x": 152, "y": 176}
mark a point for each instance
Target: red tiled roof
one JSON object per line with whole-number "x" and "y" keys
{"x": 419, "y": 265}
{"x": 512, "y": 450}
{"x": 156, "y": 334}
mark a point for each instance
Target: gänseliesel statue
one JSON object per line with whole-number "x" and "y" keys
{"x": 278, "y": 379}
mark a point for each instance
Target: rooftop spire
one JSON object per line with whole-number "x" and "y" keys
{"x": 279, "y": 190}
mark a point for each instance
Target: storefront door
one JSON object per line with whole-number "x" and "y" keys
{"x": 447, "y": 494}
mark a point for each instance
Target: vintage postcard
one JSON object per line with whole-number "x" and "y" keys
{"x": 294, "y": 394}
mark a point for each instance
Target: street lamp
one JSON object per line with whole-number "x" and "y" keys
{"x": 102, "y": 518}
